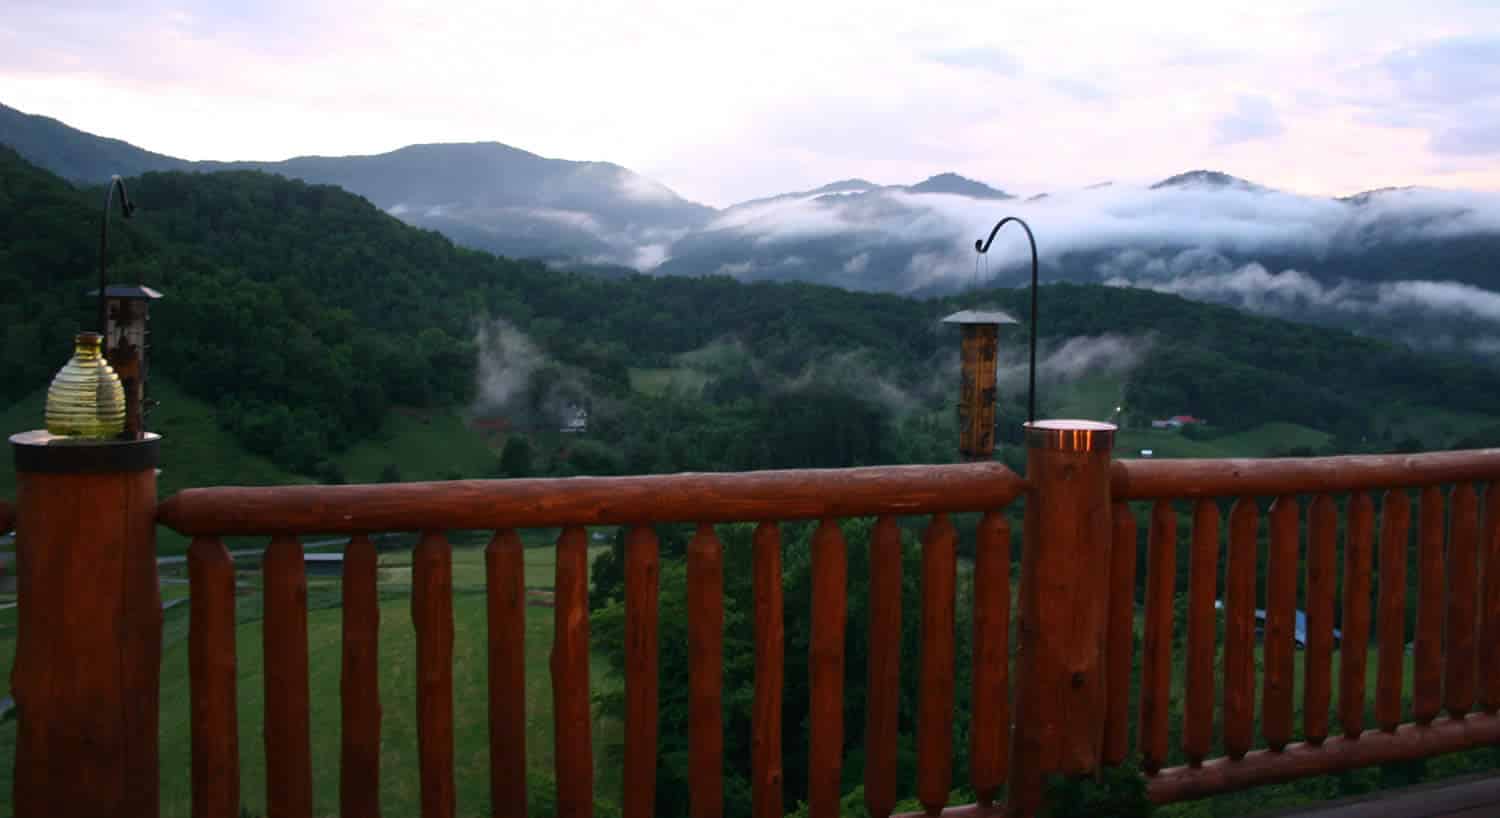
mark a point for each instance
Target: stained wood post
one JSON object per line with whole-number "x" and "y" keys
{"x": 88, "y": 654}
{"x": 1065, "y": 571}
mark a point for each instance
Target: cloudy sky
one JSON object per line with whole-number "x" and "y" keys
{"x": 724, "y": 101}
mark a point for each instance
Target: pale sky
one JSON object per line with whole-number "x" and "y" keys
{"x": 725, "y": 101}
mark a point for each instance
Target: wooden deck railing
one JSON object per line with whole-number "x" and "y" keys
{"x": 1457, "y": 627}
{"x": 1067, "y": 707}
{"x": 766, "y": 498}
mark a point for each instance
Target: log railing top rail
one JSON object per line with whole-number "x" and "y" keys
{"x": 1192, "y": 478}
{"x": 546, "y": 502}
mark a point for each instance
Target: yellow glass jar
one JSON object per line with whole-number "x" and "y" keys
{"x": 86, "y": 399}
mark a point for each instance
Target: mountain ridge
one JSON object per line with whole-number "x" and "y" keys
{"x": 1190, "y": 232}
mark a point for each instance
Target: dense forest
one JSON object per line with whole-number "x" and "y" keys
{"x": 304, "y": 314}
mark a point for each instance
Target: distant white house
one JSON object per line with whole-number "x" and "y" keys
{"x": 1176, "y": 422}
{"x": 575, "y": 419}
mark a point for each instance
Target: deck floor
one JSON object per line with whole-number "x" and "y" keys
{"x": 1466, "y": 797}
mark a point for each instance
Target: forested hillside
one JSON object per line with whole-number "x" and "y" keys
{"x": 304, "y": 314}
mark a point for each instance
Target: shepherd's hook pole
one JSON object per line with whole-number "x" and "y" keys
{"x": 983, "y": 246}
{"x": 126, "y": 208}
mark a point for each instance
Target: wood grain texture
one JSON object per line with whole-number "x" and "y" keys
{"x": 1198, "y": 723}
{"x": 211, "y": 665}
{"x": 939, "y": 652}
{"x": 1304, "y": 759}
{"x": 1395, "y": 534}
{"x": 1156, "y": 644}
{"x": 1354, "y": 648}
{"x": 642, "y": 666}
{"x": 1463, "y": 589}
{"x": 1432, "y": 592}
{"x": 1168, "y": 479}
{"x": 1317, "y": 664}
{"x": 1280, "y": 632}
{"x": 288, "y": 736}
{"x": 432, "y": 616}
{"x": 359, "y": 683}
{"x": 825, "y": 670}
{"x": 806, "y": 494}
{"x": 1120, "y": 637}
{"x": 505, "y": 587}
{"x": 770, "y": 664}
{"x": 705, "y": 582}
{"x": 1239, "y": 628}
{"x": 989, "y": 732}
{"x": 572, "y": 719}
{"x": 88, "y": 651}
{"x": 883, "y": 695}
{"x": 1489, "y": 605}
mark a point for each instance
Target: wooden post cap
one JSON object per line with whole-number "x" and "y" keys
{"x": 1071, "y": 435}
{"x": 42, "y": 452}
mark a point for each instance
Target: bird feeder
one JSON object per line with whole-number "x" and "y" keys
{"x": 980, "y": 355}
{"x": 126, "y": 317}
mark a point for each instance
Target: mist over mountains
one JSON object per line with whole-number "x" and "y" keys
{"x": 1417, "y": 264}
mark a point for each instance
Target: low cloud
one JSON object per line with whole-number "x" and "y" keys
{"x": 1255, "y": 288}
{"x": 1228, "y": 221}
{"x": 507, "y": 361}
{"x": 1073, "y": 358}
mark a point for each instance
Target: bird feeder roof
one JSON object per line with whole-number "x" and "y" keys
{"x": 980, "y": 317}
{"x": 127, "y": 291}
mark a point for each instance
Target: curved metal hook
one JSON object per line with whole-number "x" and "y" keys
{"x": 983, "y": 246}
{"x": 126, "y": 208}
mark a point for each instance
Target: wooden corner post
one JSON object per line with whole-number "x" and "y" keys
{"x": 88, "y": 651}
{"x": 1060, "y": 686}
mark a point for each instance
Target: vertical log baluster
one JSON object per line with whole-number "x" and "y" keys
{"x": 642, "y": 582}
{"x": 705, "y": 578}
{"x": 1239, "y": 628}
{"x": 1354, "y": 646}
{"x": 883, "y": 698}
{"x": 288, "y": 736}
{"x": 1120, "y": 640}
{"x": 770, "y": 663}
{"x": 935, "y": 704}
{"x": 1156, "y": 648}
{"x": 1489, "y": 623}
{"x": 1317, "y": 669}
{"x": 211, "y": 658}
{"x": 1395, "y": 531}
{"x": 1198, "y": 730}
{"x": 989, "y": 731}
{"x": 1427, "y": 681}
{"x": 505, "y": 590}
{"x": 1463, "y": 589}
{"x": 432, "y": 616}
{"x": 1281, "y": 607}
{"x": 359, "y": 683}
{"x": 825, "y": 670}
{"x": 572, "y": 732}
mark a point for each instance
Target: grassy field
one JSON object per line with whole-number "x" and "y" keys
{"x": 1261, "y": 441}
{"x": 681, "y": 381}
{"x": 435, "y": 445}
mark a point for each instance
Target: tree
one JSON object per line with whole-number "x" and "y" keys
{"x": 515, "y": 458}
